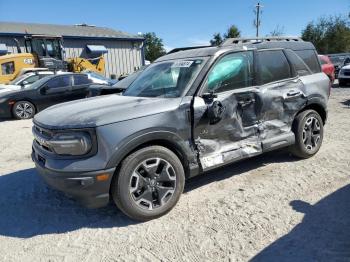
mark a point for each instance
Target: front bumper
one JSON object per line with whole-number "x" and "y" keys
{"x": 343, "y": 76}
{"x": 5, "y": 110}
{"x": 82, "y": 186}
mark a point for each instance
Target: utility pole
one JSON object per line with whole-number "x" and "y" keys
{"x": 257, "y": 21}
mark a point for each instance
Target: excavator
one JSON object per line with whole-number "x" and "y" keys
{"x": 44, "y": 52}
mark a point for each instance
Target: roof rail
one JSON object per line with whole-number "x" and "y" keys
{"x": 187, "y": 48}
{"x": 231, "y": 41}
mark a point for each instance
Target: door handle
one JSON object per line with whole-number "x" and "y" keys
{"x": 294, "y": 93}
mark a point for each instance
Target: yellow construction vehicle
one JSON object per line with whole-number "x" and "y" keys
{"x": 78, "y": 64}
{"x": 43, "y": 52}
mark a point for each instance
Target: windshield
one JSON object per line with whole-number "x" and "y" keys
{"x": 165, "y": 79}
{"x": 124, "y": 83}
{"x": 18, "y": 80}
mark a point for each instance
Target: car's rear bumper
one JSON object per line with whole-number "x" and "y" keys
{"x": 91, "y": 189}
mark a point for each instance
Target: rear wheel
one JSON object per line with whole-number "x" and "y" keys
{"x": 308, "y": 130}
{"x": 149, "y": 183}
{"x": 23, "y": 110}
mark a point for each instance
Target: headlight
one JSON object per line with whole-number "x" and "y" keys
{"x": 74, "y": 144}
{"x": 2, "y": 100}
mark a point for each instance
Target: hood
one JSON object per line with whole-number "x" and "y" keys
{"x": 102, "y": 110}
{"x": 8, "y": 88}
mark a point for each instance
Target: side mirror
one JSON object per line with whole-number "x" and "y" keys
{"x": 43, "y": 90}
{"x": 24, "y": 83}
{"x": 209, "y": 96}
{"x": 215, "y": 112}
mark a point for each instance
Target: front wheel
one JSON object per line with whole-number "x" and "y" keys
{"x": 308, "y": 130}
{"x": 23, "y": 110}
{"x": 149, "y": 183}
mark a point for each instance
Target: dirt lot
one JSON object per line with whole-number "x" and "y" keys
{"x": 269, "y": 208}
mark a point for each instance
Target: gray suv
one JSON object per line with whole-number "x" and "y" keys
{"x": 192, "y": 110}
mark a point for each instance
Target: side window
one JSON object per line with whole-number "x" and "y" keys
{"x": 31, "y": 79}
{"x": 42, "y": 76}
{"x": 310, "y": 58}
{"x": 8, "y": 68}
{"x": 273, "y": 66}
{"x": 80, "y": 80}
{"x": 300, "y": 67}
{"x": 61, "y": 81}
{"x": 231, "y": 72}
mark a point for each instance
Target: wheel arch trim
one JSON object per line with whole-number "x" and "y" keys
{"x": 168, "y": 139}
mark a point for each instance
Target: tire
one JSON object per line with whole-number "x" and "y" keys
{"x": 308, "y": 130}
{"x": 23, "y": 110}
{"x": 142, "y": 189}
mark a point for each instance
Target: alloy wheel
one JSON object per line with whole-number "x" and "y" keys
{"x": 152, "y": 183}
{"x": 24, "y": 110}
{"x": 311, "y": 133}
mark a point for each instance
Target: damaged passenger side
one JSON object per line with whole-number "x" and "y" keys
{"x": 226, "y": 112}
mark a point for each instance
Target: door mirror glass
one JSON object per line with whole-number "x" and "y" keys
{"x": 43, "y": 90}
{"x": 209, "y": 96}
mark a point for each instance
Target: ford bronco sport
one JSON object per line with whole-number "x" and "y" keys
{"x": 190, "y": 111}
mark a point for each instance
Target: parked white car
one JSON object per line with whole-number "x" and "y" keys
{"x": 99, "y": 79}
{"x": 344, "y": 75}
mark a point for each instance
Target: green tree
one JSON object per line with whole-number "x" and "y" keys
{"x": 217, "y": 39}
{"x": 154, "y": 47}
{"x": 329, "y": 35}
{"x": 232, "y": 32}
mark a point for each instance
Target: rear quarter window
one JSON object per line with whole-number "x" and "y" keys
{"x": 299, "y": 65}
{"x": 81, "y": 80}
{"x": 272, "y": 66}
{"x": 310, "y": 58}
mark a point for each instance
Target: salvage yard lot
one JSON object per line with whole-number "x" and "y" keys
{"x": 268, "y": 208}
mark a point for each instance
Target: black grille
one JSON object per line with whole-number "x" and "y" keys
{"x": 41, "y": 135}
{"x": 347, "y": 72}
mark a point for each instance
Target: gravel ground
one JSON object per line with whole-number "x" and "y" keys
{"x": 269, "y": 208}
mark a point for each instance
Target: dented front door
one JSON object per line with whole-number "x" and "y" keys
{"x": 225, "y": 115}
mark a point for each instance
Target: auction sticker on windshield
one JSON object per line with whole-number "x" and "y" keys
{"x": 182, "y": 64}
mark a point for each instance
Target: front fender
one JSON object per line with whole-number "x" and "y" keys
{"x": 148, "y": 136}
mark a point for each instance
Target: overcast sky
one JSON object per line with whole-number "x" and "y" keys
{"x": 177, "y": 22}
